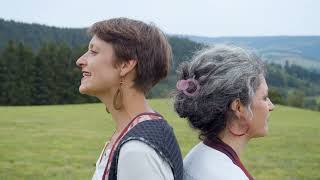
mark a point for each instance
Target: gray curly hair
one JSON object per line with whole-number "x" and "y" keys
{"x": 224, "y": 73}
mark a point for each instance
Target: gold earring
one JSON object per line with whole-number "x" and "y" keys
{"x": 117, "y": 98}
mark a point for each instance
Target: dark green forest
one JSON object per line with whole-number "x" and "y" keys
{"x": 37, "y": 67}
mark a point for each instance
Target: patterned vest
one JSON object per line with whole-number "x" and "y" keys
{"x": 158, "y": 135}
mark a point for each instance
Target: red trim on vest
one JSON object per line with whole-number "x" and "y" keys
{"x": 219, "y": 145}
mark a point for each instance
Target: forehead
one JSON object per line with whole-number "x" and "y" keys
{"x": 96, "y": 42}
{"x": 263, "y": 87}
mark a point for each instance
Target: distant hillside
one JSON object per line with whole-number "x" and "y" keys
{"x": 37, "y": 65}
{"x": 300, "y": 50}
{"x": 46, "y": 56}
{"x": 36, "y": 34}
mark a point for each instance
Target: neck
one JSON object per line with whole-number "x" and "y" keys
{"x": 133, "y": 102}
{"x": 237, "y": 143}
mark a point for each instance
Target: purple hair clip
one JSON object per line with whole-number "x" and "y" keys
{"x": 183, "y": 85}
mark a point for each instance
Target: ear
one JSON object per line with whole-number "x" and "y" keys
{"x": 239, "y": 125}
{"x": 238, "y": 108}
{"x": 127, "y": 66}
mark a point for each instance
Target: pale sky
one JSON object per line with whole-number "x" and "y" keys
{"x": 187, "y": 17}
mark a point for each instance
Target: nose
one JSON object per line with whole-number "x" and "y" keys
{"x": 81, "y": 61}
{"x": 271, "y": 106}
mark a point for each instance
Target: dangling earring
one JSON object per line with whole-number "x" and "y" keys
{"x": 117, "y": 98}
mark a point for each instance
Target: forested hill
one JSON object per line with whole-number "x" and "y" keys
{"x": 300, "y": 50}
{"x": 35, "y": 34}
{"x": 37, "y": 66}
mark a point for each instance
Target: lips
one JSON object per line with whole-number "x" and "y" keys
{"x": 85, "y": 75}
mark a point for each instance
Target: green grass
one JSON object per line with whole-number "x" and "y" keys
{"x": 63, "y": 142}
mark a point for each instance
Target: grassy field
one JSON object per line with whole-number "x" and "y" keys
{"x": 63, "y": 142}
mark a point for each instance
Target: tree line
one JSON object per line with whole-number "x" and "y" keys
{"x": 294, "y": 86}
{"x": 49, "y": 75}
{"x": 35, "y": 34}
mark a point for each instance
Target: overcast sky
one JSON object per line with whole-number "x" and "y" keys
{"x": 189, "y": 17}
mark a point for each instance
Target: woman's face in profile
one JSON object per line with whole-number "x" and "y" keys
{"x": 99, "y": 74}
{"x": 261, "y": 107}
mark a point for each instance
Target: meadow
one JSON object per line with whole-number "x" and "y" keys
{"x": 64, "y": 141}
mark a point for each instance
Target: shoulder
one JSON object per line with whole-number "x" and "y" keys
{"x": 157, "y": 124}
{"x": 155, "y": 137}
{"x": 137, "y": 147}
{"x": 203, "y": 162}
{"x": 137, "y": 160}
{"x": 156, "y": 133}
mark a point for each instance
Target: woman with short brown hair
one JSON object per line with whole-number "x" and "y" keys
{"x": 125, "y": 59}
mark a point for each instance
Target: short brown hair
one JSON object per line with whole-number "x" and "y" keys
{"x": 132, "y": 39}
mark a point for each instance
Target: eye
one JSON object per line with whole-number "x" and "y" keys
{"x": 93, "y": 52}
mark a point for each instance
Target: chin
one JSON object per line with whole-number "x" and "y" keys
{"x": 261, "y": 133}
{"x": 84, "y": 90}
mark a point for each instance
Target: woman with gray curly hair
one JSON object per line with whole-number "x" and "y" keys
{"x": 223, "y": 94}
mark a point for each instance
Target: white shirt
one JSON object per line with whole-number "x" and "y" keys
{"x": 206, "y": 163}
{"x": 137, "y": 161}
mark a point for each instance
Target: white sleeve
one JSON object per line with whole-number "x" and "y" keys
{"x": 139, "y": 161}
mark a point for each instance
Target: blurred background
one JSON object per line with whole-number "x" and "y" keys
{"x": 50, "y": 131}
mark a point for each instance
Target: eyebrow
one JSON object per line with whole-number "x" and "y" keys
{"x": 93, "y": 46}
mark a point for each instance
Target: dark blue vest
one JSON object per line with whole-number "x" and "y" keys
{"x": 159, "y": 135}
